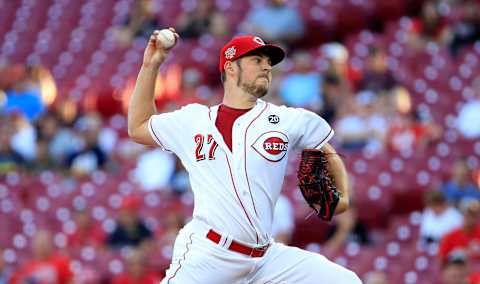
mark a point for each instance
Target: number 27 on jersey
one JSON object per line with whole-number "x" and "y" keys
{"x": 200, "y": 141}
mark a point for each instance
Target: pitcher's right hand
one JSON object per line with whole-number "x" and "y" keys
{"x": 155, "y": 53}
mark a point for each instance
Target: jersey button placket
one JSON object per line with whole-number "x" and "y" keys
{"x": 235, "y": 142}
{"x": 237, "y": 137}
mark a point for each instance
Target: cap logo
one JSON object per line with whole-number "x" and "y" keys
{"x": 258, "y": 40}
{"x": 230, "y": 52}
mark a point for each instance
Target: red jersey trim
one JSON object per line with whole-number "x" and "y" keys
{"x": 328, "y": 136}
{"x": 155, "y": 137}
{"x": 245, "y": 157}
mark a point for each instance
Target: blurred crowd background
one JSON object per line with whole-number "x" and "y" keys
{"x": 397, "y": 79}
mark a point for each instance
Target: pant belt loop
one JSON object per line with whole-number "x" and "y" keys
{"x": 228, "y": 241}
{"x": 223, "y": 239}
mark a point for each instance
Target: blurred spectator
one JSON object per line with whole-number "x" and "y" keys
{"x": 46, "y": 127}
{"x": 346, "y": 228}
{"x": 46, "y": 266}
{"x": 24, "y": 94}
{"x": 201, "y": 20}
{"x": 438, "y": 218}
{"x": 139, "y": 23}
{"x": 90, "y": 157}
{"x": 130, "y": 229}
{"x": 351, "y": 127}
{"x": 154, "y": 169}
{"x": 171, "y": 225}
{"x": 467, "y": 30}
{"x": 399, "y": 102}
{"x": 331, "y": 98}
{"x": 23, "y": 140}
{"x": 456, "y": 269}
{"x": 180, "y": 182}
{"x": 66, "y": 141}
{"x": 220, "y": 28}
{"x": 5, "y": 79}
{"x": 430, "y": 26}
{"x": 107, "y": 139}
{"x": 138, "y": 271}
{"x": 10, "y": 160}
{"x": 67, "y": 111}
{"x": 55, "y": 141}
{"x": 408, "y": 132}
{"x": 283, "y": 220}
{"x": 460, "y": 184}
{"x": 40, "y": 80}
{"x": 11, "y": 73}
{"x": 376, "y": 277}
{"x": 339, "y": 68}
{"x": 465, "y": 238}
{"x": 127, "y": 152}
{"x": 4, "y": 271}
{"x": 376, "y": 116}
{"x": 86, "y": 232}
{"x": 193, "y": 89}
{"x": 303, "y": 87}
{"x": 377, "y": 77}
{"x": 43, "y": 78}
{"x": 3, "y": 98}
{"x": 287, "y": 27}
{"x": 470, "y": 111}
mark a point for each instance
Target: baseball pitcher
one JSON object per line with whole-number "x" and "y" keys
{"x": 236, "y": 154}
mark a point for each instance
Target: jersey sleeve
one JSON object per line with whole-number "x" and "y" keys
{"x": 167, "y": 128}
{"x": 314, "y": 131}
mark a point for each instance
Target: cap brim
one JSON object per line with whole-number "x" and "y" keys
{"x": 276, "y": 53}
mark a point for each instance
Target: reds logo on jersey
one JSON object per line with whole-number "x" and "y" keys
{"x": 272, "y": 145}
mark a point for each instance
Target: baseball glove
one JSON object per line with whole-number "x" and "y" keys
{"x": 316, "y": 184}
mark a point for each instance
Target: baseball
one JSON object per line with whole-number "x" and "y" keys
{"x": 166, "y": 38}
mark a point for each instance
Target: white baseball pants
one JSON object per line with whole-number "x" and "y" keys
{"x": 197, "y": 259}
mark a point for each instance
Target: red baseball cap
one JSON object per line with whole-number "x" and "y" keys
{"x": 241, "y": 45}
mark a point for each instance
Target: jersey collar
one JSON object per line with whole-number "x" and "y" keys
{"x": 248, "y": 116}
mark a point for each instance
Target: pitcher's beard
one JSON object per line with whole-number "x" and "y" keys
{"x": 257, "y": 90}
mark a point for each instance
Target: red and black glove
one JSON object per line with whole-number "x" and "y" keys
{"x": 316, "y": 183}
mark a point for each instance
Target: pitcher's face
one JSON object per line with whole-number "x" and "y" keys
{"x": 254, "y": 74}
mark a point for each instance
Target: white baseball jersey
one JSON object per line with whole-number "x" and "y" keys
{"x": 235, "y": 191}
